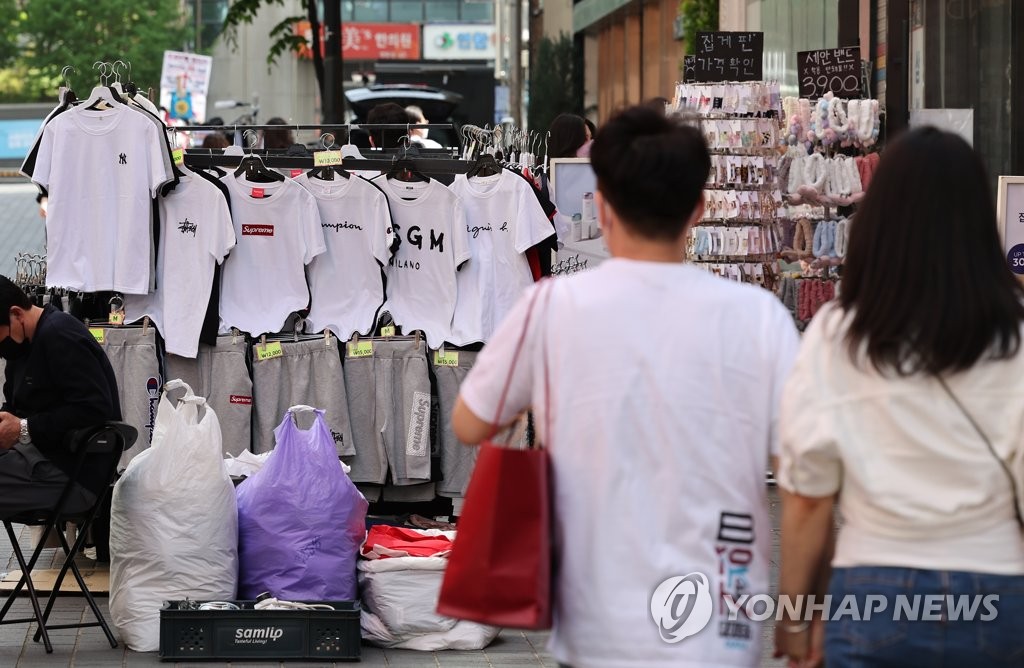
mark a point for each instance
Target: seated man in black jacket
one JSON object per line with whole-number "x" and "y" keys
{"x": 58, "y": 379}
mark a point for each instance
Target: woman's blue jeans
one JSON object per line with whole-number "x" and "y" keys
{"x": 953, "y": 624}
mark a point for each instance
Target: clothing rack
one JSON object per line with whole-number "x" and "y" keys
{"x": 202, "y": 158}
{"x": 323, "y": 127}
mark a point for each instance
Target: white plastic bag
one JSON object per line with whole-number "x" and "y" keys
{"x": 399, "y": 597}
{"x": 174, "y": 521}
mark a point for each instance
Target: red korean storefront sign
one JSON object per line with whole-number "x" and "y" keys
{"x": 368, "y": 41}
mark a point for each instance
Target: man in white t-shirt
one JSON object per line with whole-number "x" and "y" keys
{"x": 655, "y": 387}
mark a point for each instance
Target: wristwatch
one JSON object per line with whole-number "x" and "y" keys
{"x": 24, "y": 438}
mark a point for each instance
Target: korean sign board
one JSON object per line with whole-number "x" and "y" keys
{"x": 368, "y": 41}
{"x": 460, "y": 42}
{"x": 727, "y": 56}
{"x": 835, "y": 71}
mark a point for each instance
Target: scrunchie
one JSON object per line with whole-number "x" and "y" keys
{"x": 821, "y": 239}
{"x": 803, "y": 238}
{"x": 842, "y": 237}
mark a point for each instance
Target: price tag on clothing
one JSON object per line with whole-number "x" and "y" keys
{"x": 387, "y": 331}
{"x": 360, "y": 349}
{"x": 448, "y": 358}
{"x": 269, "y": 351}
{"x": 327, "y": 158}
{"x": 97, "y": 334}
{"x": 179, "y": 156}
{"x": 296, "y": 172}
{"x": 258, "y": 193}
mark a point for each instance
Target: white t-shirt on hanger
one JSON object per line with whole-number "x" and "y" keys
{"x": 277, "y": 235}
{"x": 504, "y": 219}
{"x": 195, "y": 234}
{"x": 422, "y": 275}
{"x": 101, "y": 170}
{"x": 347, "y": 282}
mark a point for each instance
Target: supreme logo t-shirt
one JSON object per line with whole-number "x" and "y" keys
{"x": 277, "y": 230}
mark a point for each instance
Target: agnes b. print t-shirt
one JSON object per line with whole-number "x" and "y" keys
{"x": 503, "y": 220}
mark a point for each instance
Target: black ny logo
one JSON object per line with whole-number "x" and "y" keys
{"x": 123, "y": 159}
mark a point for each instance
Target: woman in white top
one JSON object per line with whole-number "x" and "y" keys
{"x": 906, "y": 406}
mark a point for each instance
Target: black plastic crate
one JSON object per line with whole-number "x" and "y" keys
{"x": 259, "y": 635}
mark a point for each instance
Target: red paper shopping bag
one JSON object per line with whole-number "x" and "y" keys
{"x": 499, "y": 570}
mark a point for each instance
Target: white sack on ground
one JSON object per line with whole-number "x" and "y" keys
{"x": 174, "y": 522}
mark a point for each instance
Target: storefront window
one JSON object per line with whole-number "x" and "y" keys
{"x": 960, "y": 59}
{"x": 406, "y": 11}
{"x": 789, "y": 27}
{"x": 442, "y": 10}
{"x": 371, "y": 10}
{"x": 474, "y": 11}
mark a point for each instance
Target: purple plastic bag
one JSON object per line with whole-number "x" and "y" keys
{"x": 300, "y": 520}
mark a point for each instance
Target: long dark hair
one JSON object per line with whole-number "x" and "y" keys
{"x": 568, "y": 133}
{"x": 925, "y": 280}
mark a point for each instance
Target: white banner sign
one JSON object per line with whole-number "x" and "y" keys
{"x": 184, "y": 83}
{"x": 464, "y": 41}
{"x": 1011, "y": 221}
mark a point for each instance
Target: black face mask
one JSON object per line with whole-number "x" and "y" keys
{"x": 12, "y": 350}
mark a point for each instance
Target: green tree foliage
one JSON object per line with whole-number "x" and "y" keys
{"x": 10, "y": 19}
{"x": 79, "y": 33}
{"x": 553, "y": 88}
{"x": 698, "y": 16}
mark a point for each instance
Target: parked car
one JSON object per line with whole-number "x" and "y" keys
{"x": 438, "y": 105}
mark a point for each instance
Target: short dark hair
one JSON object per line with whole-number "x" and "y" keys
{"x": 215, "y": 140}
{"x": 925, "y": 280}
{"x": 568, "y": 133}
{"x": 388, "y": 113}
{"x": 10, "y": 296}
{"x": 277, "y": 138}
{"x": 651, "y": 169}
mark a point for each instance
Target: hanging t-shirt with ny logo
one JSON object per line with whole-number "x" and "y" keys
{"x": 347, "y": 282}
{"x": 195, "y": 235}
{"x": 101, "y": 170}
{"x": 431, "y": 223}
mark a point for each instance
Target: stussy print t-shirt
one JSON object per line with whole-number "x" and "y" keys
{"x": 431, "y": 222}
{"x": 196, "y": 234}
{"x": 503, "y": 220}
{"x": 277, "y": 232}
{"x": 347, "y": 282}
{"x": 101, "y": 170}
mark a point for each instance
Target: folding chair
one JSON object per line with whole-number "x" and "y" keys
{"x": 108, "y": 441}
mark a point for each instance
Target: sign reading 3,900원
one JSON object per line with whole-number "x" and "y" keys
{"x": 835, "y": 71}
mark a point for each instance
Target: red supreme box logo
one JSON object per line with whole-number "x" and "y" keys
{"x": 258, "y": 230}
{"x": 240, "y": 399}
